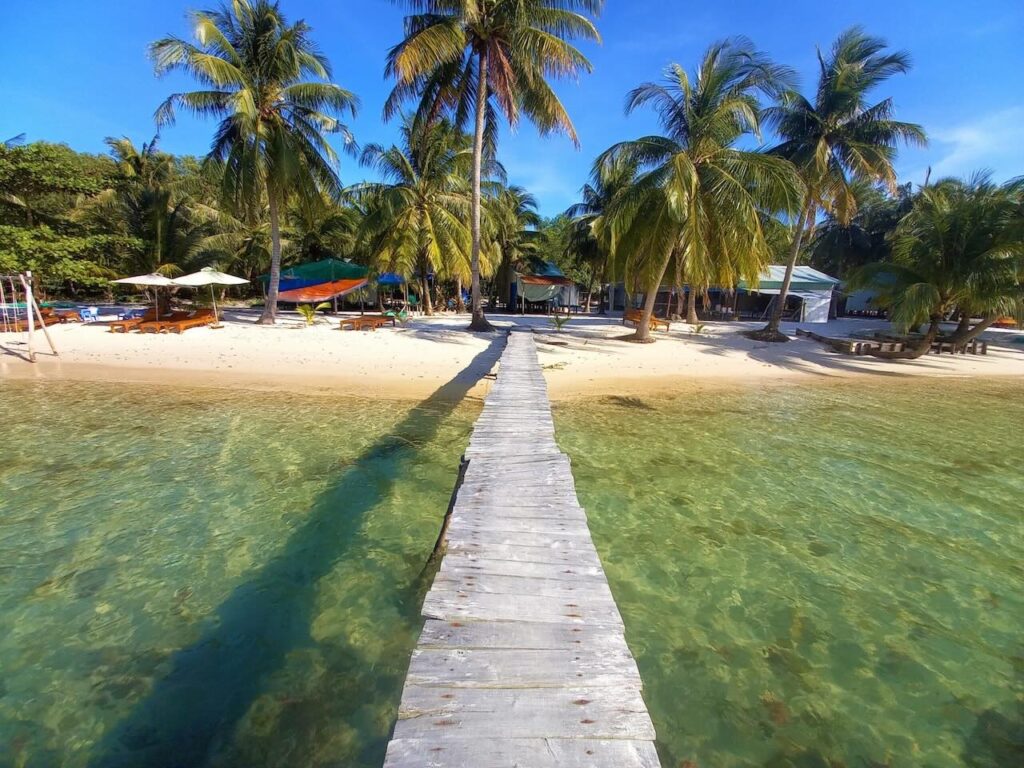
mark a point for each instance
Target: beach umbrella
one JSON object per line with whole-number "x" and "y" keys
{"x": 211, "y": 277}
{"x": 151, "y": 280}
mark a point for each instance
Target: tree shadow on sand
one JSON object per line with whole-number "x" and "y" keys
{"x": 191, "y": 714}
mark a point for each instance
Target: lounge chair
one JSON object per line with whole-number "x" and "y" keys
{"x": 157, "y": 326}
{"x": 635, "y": 316}
{"x": 198, "y": 319}
{"x": 123, "y": 326}
{"x": 367, "y": 322}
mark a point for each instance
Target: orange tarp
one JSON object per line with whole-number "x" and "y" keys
{"x": 322, "y": 291}
{"x": 540, "y": 280}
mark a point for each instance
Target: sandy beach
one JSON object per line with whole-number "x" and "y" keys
{"x": 587, "y": 358}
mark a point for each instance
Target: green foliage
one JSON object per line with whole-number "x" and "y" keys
{"x": 840, "y": 249}
{"x": 56, "y": 258}
{"x": 40, "y": 181}
{"x": 308, "y": 311}
{"x": 959, "y": 249}
{"x": 268, "y": 84}
{"x": 482, "y": 58}
{"x": 416, "y": 219}
{"x": 697, "y": 198}
{"x": 560, "y": 321}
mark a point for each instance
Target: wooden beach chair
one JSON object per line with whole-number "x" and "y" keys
{"x": 636, "y": 316}
{"x": 123, "y": 326}
{"x": 197, "y": 320}
{"x": 157, "y": 326}
{"x": 367, "y": 322}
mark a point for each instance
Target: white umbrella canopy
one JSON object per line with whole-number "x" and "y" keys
{"x": 211, "y": 277}
{"x": 151, "y": 280}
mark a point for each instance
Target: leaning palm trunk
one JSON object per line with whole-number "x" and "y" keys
{"x": 479, "y": 322}
{"x": 270, "y": 309}
{"x": 920, "y": 349}
{"x": 643, "y": 330}
{"x": 965, "y": 332}
{"x": 771, "y": 331}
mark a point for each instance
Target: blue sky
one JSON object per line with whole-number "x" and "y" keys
{"x": 75, "y": 72}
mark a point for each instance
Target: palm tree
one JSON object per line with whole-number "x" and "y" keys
{"x": 273, "y": 120}
{"x": 512, "y": 221}
{"x": 322, "y": 228}
{"x": 485, "y": 56}
{"x": 150, "y": 203}
{"x": 594, "y": 235}
{"x": 416, "y": 216}
{"x": 152, "y": 206}
{"x": 839, "y": 138}
{"x": 959, "y": 252}
{"x": 839, "y": 249}
{"x": 697, "y": 197}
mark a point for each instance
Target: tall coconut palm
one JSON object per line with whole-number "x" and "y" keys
{"x": 958, "y": 252}
{"x": 839, "y": 137}
{"x": 417, "y": 216}
{"x": 268, "y": 83}
{"x": 698, "y": 197}
{"x": 512, "y": 221}
{"x": 463, "y": 57}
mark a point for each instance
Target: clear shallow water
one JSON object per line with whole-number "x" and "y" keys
{"x": 825, "y": 575}
{"x": 211, "y": 578}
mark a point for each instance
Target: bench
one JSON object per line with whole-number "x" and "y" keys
{"x": 366, "y": 322}
{"x": 974, "y": 347}
{"x": 636, "y": 316}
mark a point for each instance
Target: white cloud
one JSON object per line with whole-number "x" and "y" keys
{"x": 994, "y": 141}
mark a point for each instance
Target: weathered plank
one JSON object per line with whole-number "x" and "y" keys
{"x": 441, "y": 752}
{"x": 522, "y": 661}
{"x": 575, "y": 712}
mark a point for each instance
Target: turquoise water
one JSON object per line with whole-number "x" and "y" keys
{"x": 824, "y": 575}
{"x": 828, "y": 575}
{"x": 211, "y": 578}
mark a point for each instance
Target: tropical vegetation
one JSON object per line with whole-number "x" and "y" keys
{"x": 268, "y": 83}
{"x": 839, "y": 137}
{"x": 482, "y": 57}
{"x": 957, "y": 254}
{"x": 698, "y": 198}
{"x": 744, "y": 171}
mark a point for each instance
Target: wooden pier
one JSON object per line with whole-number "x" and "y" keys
{"x": 522, "y": 660}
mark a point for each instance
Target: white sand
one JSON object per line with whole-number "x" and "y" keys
{"x": 587, "y": 358}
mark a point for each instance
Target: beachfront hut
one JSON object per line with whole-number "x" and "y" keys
{"x": 813, "y": 289}
{"x": 546, "y": 285}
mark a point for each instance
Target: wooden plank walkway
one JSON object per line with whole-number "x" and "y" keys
{"x": 522, "y": 660}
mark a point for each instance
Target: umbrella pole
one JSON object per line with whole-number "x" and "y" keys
{"x": 213, "y": 298}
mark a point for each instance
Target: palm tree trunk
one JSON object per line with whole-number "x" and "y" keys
{"x": 460, "y": 305}
{"x": 771, "y": 331}
{"x": 677, "y": 288}
{"x": 965, "y": 332}
{"x": 691, "y": 307}
{"x": 601, "y": 289}
{"x": 428, "y": 303}
{"x": 478, "y": 322}
{"x": 270, "y": 308}
{"x": 643, "y": 330}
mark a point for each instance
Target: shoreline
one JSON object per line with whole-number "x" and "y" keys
{"x": 417, "y": 361}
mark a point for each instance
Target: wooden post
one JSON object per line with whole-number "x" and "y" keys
{"x": 33, "y": 304}
{"x": 30, "y": 318}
